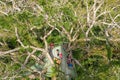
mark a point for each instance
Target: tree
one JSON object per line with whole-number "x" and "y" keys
{"x": 29, "y": 26}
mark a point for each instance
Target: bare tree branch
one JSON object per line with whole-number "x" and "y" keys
{"x": 48, "y": 33}
{"x": 71, "y": 30}
{"x": 18, "y": 39}
{"x": 105, "y": 12}
{"x": 113, "y": 20}
{"x": 67, "y": 33}
{"x": 9, "y": 51}
{"x": 88, "y": 14}
{"x": 36, "y": 48}
{"x": 76, "y": 34}
{"x": 99, "y": 38}
{"x": 4, "y": 13}
{"x": 27, "y": 58}
{"x": 1, "y": 43}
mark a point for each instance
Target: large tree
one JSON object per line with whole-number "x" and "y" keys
{"x": 27, "y": 28}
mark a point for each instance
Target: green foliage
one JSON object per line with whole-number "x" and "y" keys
{"x": 95, "y": 68}
{"x": 12, "y": 43}
{"x": 36, "y": 67}
{"x": 5, "y": 59}
{"x": 16, "y": 66}
{"x": 108, "y": 48}
{"x": 39, "y": 21}
{"x": 54, "y": 71}
{"x": 67, "y": 13}
{"x": 25, "y": 16}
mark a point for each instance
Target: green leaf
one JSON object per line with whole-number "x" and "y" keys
{"x": 109, "y": 51}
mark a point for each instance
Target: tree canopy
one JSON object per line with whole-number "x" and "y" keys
{"x": 91, "y": 29}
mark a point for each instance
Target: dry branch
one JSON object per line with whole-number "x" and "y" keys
{"x": 29, "y": 54}
{"x": 9, "y": 51}
{"x": 18, "y": 39}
